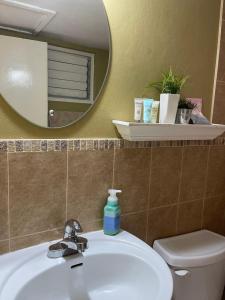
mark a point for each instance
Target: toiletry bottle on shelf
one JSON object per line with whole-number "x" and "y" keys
{"x": 112, "y": 213}
{"x": 147, "y": 107}
{"x": 155, "y": 111}
{"x": 138, "y": 103}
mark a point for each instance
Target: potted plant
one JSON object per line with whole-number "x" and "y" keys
{"x": 169, "y": 87}
{"x": 184, "y": 111}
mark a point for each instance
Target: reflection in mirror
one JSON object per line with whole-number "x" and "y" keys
{"x": 54, "y": 58}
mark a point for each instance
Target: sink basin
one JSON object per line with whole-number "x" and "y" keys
{"x": 112, "y": 268}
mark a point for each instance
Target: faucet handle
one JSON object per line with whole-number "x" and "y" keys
{"x": 72, "y": 227}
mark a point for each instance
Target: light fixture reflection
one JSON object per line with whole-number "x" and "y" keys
{"x": 20, "y": 78}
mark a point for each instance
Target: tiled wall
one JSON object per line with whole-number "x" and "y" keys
{"x": 219, "y": 102}
{"x": 168, "y": 187}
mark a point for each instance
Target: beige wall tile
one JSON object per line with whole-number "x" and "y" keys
{"x": 92, "y": 226}
{"x": 89, "y": 178}
{"x": 216, "y": 172}
{"x": 135, "y": 224}
{"x": 193, "y": 173}
{"x": 214, "y": 214}
{"x": 219, "y": 104}
{"x": 35, "y": 239}
{"x": 131, "y": 175}
{"x": 161, "y": 223}
{"x": 37, "y": 168}
{"x": 37, "y": 192}
{"x": 4, "y": 247}
{"x": 4, "y": 229}
{"x": 165, "y": 176}
{"x": 189, "y": 216}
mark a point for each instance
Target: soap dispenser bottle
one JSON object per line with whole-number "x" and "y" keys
{"x": 112, "y": 213}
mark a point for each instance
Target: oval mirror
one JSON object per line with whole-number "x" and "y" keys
{"x": 54, "y": 58}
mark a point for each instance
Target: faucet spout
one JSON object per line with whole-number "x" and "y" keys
{"x": 71, "y": 244}
{"x": 72, "y": 227}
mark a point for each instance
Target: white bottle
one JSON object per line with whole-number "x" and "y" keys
{"x": 138, "y": 103}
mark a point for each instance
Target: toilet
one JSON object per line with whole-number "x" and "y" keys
{"x": 197, "y": 263}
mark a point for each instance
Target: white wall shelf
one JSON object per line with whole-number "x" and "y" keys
{"x": 132, "y": 131}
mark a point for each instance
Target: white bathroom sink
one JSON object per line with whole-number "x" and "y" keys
{"x": 112, "y": 268}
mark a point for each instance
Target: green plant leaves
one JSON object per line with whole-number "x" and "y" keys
{"x": 170, "y": 83}
{"x": 185, "y": 103}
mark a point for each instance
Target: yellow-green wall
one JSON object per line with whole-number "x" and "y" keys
{"x": 148, "y": 36}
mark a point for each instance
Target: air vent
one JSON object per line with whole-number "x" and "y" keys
{"x": 22, "y": 17}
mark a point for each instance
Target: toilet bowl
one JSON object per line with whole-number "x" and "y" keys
{"x": 197, "y": 263}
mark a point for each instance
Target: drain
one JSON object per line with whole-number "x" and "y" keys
{"x": 77, "y": 265}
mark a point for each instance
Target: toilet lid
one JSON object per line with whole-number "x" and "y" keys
{"x": 194, "y": 249}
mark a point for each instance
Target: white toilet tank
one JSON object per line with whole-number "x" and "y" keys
{"x": 197, "y": 263}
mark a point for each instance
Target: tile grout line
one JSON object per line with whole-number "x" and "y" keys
{"x": 205, "y": 186}
{"x": 8, "y": 212}
{"x": 190, "y": 201}
{"x": 5, "y": 240}
{"x": 148, "y": 199}
{"x": 67, "y": 178}
{"x": 222, "y": 82}
{"x": 179, "y": 189}
{"x": 133, "y": 213}
{"x": 214, "y": 196}
{"x": 114, "y": 162}
{"x": 176, "y": 203}
{"x": 37, "y": 232}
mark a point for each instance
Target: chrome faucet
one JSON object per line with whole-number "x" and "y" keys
{"x": 71, "y": 243}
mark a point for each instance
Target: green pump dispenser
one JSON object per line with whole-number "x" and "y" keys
{"x": 112, "y": 213}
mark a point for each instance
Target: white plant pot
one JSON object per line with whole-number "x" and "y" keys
{"x": 168, "y": 108}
